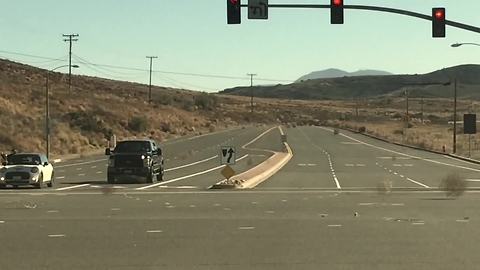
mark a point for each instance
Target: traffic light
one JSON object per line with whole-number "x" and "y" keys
{"x": 438, "y": 22}
{"x": 233, "y": 12}
{"x": 336, "y": 11}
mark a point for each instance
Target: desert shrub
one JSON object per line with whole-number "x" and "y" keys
{"x": 453, "y": 185}
{"x": 164, "y": 99}
{"x": 188, "y": 105}
{"x": 398, "y": 132}
{"x": 138, "y": 124}
{"x": 85, "y": 121}
{"x": 206, "y": 101}
{"x": 166, "y": 127}
{"x": 362, "y": 129}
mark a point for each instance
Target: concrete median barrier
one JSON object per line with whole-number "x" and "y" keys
{"x": 259, "y": 173}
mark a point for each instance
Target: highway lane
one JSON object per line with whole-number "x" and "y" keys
{"x": 239, "y": 230}
{"x": 191, "y": 162}
{"x": 353, "y": 161}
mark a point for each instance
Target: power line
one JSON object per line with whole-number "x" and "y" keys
{"x": 215, "y": 76}
{"x": 182, "y": 84}
{"x": 106, "y": 71}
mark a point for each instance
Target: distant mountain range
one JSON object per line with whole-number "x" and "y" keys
{"x": 468, "y": 77}
{"x": 338, "y": 73}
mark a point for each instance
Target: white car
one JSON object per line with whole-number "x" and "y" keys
{"x": 26, "y": 169}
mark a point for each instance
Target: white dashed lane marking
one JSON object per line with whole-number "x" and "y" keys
{"x": 246, "y": 228}
{"x": 154, "y": 231}
{"x": 56, "y": 235}
{"x": 403, "y": 176}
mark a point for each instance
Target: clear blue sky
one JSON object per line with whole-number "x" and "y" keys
{"x": 192, "y": 36}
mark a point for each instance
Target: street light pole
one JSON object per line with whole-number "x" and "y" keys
{"x": 456, "y": 45}
{"x": 47, "y": 108}
{"x": 455, "y": 116}
{"x": 47, "y": 117}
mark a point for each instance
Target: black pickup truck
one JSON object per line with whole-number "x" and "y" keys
{"x": 134, "y": 159}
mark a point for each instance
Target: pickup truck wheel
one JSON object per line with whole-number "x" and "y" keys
{"x": 110, "y": 179}
{"x": 151, "y": 178}
{"x": 160, "y": 175}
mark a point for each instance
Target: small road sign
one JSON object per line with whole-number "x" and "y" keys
{"x": 228, "y": 155}
{"x": 469, "y": 123}
{"x": 228, "y": 172}
{"x": 258, "y": 9}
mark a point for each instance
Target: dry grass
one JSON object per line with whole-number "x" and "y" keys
{"x": 84, "y": 119}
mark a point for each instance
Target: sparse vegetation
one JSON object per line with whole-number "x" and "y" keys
{"x": 206, "y": 101}
{"x": 138, "y": 124}
{"x": 453, "y": 185}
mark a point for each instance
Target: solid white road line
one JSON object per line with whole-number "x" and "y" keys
{"x": 186, "y": 176}
{"x": 191, "y": 164}
{"x": 472, "y": 180}
{"x": 258, "y": 137}
{"x": 72, "y": 187}
{"x": 410, "y": 156}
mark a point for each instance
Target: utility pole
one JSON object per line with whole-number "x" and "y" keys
{"x": 421, "y": 104}
{"x": 407, "y": 116}
{"x": 455, "y": 116}
{"x": 251, "y": 90}
{"x": 356, "y": 107}
{"x": 70, "y": 38}
{"x": 150, "y": 83}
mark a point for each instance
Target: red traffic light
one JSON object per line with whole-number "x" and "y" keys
{"x": 338, "y": 2}
{"x": 438, "y": 22}
{"x": 234, "y": 2}
{"x": 440, "y": 14}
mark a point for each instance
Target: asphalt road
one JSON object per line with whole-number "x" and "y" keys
{"x": 191, "y": 163}
{"x": 321, "y": 211}
{"x": 352, "y": 161}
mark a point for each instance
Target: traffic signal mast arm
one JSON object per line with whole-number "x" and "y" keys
{"x": 381, "y": 9}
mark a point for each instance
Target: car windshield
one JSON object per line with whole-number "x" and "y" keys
{"x": 21, "y": 159}
{"x": 133, "y": 146}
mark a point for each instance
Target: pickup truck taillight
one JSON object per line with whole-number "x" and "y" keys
{"x": 146, "y": 161}
{"x": 111, "y": 162}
